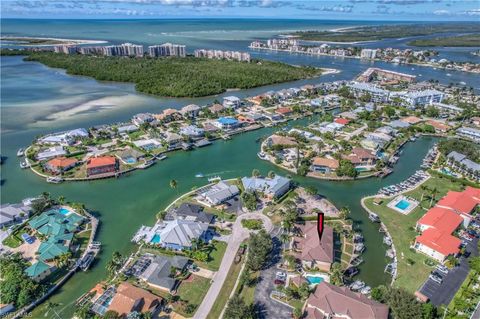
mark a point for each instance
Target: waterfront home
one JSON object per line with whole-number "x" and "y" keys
{"x": 422, "y": 98}
{"x": 127, "y": 129}
{"x": 129, "y": 155}
{"x": 411, "y": 120}
{"x": 341, "y": 121}
{"x": 64, "y": 138}
{"x": 15, "y": 213}
{"x": 60, "y": 164}
{"x": 324, "y": 165}
{"x": 190, "y": 111}
{"x": 216, "y": 108}
{"x": 208, "y": 127}
{"x": 129, "y": 299}
{"x": 361, "y": 157}
{"x": 461, "y": 163}
{"x": 226, "y": 123}
{"x": 379, "y": 137}
{"x": 51, "y": 152}
{"x": 192, "y": 131}
{"x": 387, "y": 130}
{"x": 376, "y": 94}
{"x": 176, "y": 234}
{"x": 101, "y": 165}
{"x": 436, "y": 240}
{"x": 231, "y": 102}
{"x": 284, "y": 111}
{"x": 348, "y": 115}
{"x": 469, "y": 132}
{"x": 329, "y": 301}
{"x": 168, "y": 115}
{"x": 271, "y": 187}
{"x": 463, "y": 203}
{"x": 158, "y": 274}
{"x": 142, "y": 118}
{"x": 38, "y": 271}
{"x": 285, "y": 141}
{"x": 273, "y": 116}
{"x": 219, "y": 193}
{"x": 173, "y": 139}
{"x": 148, "y": 144}
{"x": 310, "y": 250}
{"x": 191, "y": 212}
{"x": 372, "y": 144}
{"x": 439, "y": 127}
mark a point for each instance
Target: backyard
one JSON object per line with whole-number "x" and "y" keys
{"x": 191, "y": 290}
{"x": 215, "y": 256}
{"x": 411, "y": 270}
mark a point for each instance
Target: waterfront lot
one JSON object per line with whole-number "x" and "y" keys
{"x": 191, "y": 290}
{"x": 411, "y": 268}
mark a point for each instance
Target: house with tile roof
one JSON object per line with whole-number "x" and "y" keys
{"x": 324, "y": 165}
{"x": 463, "y": 203}
{"x": 329, "y": 301}
{"x": 60, "y": 164}
{"x": 38, "y": 271}
{"x": 129, "y": 298}
{"x": 271, "y": 187}
{"x": 310, "y": 250}
{"x": 101, "y": 165}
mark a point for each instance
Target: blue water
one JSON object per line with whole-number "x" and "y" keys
{"x": 403, "y": 204}
{"x": 64, "y": 211}
{"x": 155, "y": 239}
{"x": 314, "y": 280}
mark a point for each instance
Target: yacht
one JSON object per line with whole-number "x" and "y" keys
{"x": 20, "y": 152}
{"x": 214, "y": 179}
{"x": 162, "y": 157}
{"x": 357, "y": 285}
{"x": 366, "y": 290}
{"x": 199, "y": 175}
{"x": 23, "y": 164}
{"x": 54, "y": 179}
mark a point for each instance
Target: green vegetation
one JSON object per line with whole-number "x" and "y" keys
{"x": 253, "y": 224}
{"x": 413, "y": 267}
{"x": 16, "y": 287}
{"x": 467, "y": 297}
{"x": 259, "y": 247}
{"x": 468, "y": 40}
{"x": 177, "y": 77}
{"x": 403, "y": 305}
{"x": 191, "y": 293}
{"x": 369, "y": 33}
{"x": 249, "y": 200}
{"x": 346, "y": 168}
{"x": 226, "y": 290}
{"x": 215, "y": 252}
{"x": 237, "y": 308}
{"x": 32, "y": 41}
{"x": 467, "y": 148}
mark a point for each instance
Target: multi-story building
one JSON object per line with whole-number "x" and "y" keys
{"x": 469, "y": 132}
{"x": 377, "y": 94}
{"x": 91, "y": 50}
{"x": 66, "y": 49}
{"x": 219, "y": 54}
{"x": 167, "y": 49}
{"x": 125, "y": 49}
{"x": 421, "y": 98}
{"x": 368, "y": 54}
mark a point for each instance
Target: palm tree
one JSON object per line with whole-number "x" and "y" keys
{"x": 63, "y": 259}
{"x": 61, "y": 200}
{"x": 344, "y": 212}
{"x": 423, "y": 188}
{"x": 284, "y": 238}
{"x": 173, "y": 185}
{"x": 434, "y": 193}
{"x": 271, "y": 174}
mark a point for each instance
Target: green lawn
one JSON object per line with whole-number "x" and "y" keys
{"x": 193, "y": 292}
{"x": 402, "y": 230}
{"x": 215, "y": 256}
{"x": 12, "y": 241}
{"x": 225, "y": 292}
{"x": 248, "y": 293}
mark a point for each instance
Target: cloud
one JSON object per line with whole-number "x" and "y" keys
{"x": 472, "y": 12}
{"x": 441, "y": 12}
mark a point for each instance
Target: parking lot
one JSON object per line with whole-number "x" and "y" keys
{"x": 443, "y": 293}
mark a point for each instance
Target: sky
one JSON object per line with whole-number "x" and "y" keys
{"x": 413, "y": 10}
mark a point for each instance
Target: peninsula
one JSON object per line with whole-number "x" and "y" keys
{"x": 468, "y": 40}
{"x": 175, "y": 76}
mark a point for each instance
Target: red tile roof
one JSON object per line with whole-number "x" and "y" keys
{"x": 283, "y": 110}
{"x": 340, "y": 301}
{"x": 442, "y": 242}
{"x": 342, "y": 121}
{"x": 312, "y": 249}
{"x": 327, "y": 162}
{"x": 442, "y": 219}
{"x": 130, "y": 298}
{"x": 62, "y": 162}
{"x": 101, "y": 161}
{"x": 461, "y": 202}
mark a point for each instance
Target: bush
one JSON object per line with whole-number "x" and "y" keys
{"x": 253, "y": 224}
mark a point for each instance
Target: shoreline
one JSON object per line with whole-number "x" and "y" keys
{"x": 61, "y": 40}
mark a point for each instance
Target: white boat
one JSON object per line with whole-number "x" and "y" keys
{"x": 214, "y": 179}
{"x": 199, "y": 175}
{"x": 387, "y": 241}
{"x": 261, "y": 155}
{"x": 54, "y": 179}
{"x": 448, "y": 74}
{"x": 23, "y": 164}
{"x": 357, "y": 285}
{"x": 162, "y": 157}
{"x": 20, "y": 152}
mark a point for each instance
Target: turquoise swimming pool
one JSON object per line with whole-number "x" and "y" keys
{"x": 64, "y": 211}
{"x": 314, "y": 280}
{"x": 155, "y": 239}
{"x": 403, "y": 204}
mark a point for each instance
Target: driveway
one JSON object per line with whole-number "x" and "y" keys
{"x": 239, "y": 234}
{"x": 443, "y": 293}
{"x": 266, "y": 306}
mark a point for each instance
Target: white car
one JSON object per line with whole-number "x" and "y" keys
{"x": 436, "y": 278}
{"x": 443, "y": 269}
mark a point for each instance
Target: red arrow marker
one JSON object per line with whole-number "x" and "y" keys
{"x": 320, "y": 225}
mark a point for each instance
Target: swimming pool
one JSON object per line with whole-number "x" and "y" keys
{"x": 402, "y": 204}
{"x": 130, "y": 160}
{"x": 314, "y": 280}
{"x": 64, "y": 211}
{"x": 155, "y": 239}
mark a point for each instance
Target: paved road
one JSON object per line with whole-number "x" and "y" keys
{"x": 239, "y": 234}
{"x": 442, "y": 294}
{"x": 266, "y": 306}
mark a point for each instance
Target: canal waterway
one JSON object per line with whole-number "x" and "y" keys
{"x": 36, "y": 100}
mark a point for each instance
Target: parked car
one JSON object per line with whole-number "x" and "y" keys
{"x": 443, "y": 269}
{"x": 436, "y": 278}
